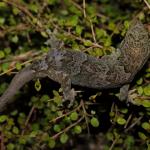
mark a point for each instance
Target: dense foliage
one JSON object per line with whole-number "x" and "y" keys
{"x": 38, "y": 119}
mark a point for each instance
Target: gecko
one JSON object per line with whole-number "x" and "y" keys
{"x": 69, "y": 67}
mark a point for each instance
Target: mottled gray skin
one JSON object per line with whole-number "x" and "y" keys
{"x": 72, "y": 67}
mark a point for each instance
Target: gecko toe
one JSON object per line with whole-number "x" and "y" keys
{"x": 70, "y": 96}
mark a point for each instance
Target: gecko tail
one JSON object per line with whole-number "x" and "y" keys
{"x": 22, "y": 77}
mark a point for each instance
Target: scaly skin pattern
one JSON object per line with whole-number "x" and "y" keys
{"x": 72, "y": 67}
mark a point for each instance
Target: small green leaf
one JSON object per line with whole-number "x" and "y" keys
{"x": 55, "y": 93}
{"x": 74, "y": 10}
{"x": 45, "y": 98}
{"x": 37, "y": 85}
{"x": 21, "y": 119}
{"x": 107, "y": 42}
{"x": 111, "y": 26}
{"x": 44, "y": 34}
{"x": 33, "y": 134}
{"x": 101, "y": 33}
{"x": 121, "y": 121}
{"x": 146, "y": 103}
{"x": 2, "y": 20}
{"x": 51, "y": 143}
{"x": 111, "y": 114}
{"x": 79, "y": 30}
{"x": 57, "y": 128}
{"x": 146, "y": 125}
{"x": 45, "y": 137}
{"x": 124, "y": 110}
{"x": 72, "y": 21}
{"x": 147, "y": 75}
{"x": 140, "y": 90}
{"x": 142, "y": 136}
{"x": 45, "y": 49}
{"x": 5, "y": 66}
{"x": 74, "y": 116}
{"x": 87, "y": 43}
{"x": 35, "y": 20}
{"x": 18, "y": 66}
{"x": 2, "y": 54}
{"x": 129, "y": 141}
{"x": 147, "y": 90}
{"x": 10, "y": 146}
{"x": 64, "y": 138}
{"x": 7, "y": 50}
{"x": 15, "y": 39}
{"x": 10, "y": 122}
{"x": 110, "y": 136}
{"x": 3, "y": 118}
{"x": 94, "y": 122}
{"x": 64, "y": 12}
{"x": 15, "y": 130}
{"x": 53, "y": 108}
{"x": 93, "y": 112}
{"x": 23, "y": 140}
{"x": 91, "y": 10}
{"x": 141, "y": 15}
{"x": 2, "y": 4}
{"x": 67, "y": 119}
{"x": 33, "y": 8}
{"x": 77, "y": 129}
{"x": 126, "y": 24}
{"x": 148, "y": 70}
{"x": 99, "y": 52}
{"x": 14, "y": 113}
{"x": 15, "y": 11}
{"x": 35, "y": 126}
{"x": 139, "y": 81}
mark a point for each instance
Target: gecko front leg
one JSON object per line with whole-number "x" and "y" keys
{"x": 65, "y": 81}
{"x": 68, "y": 92}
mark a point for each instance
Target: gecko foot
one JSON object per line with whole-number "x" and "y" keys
{"x": 69, "y": 96}
{"x": 123, "y": 95}
{"x": 132, "y": 95}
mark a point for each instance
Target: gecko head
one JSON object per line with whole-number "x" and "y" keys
{"x": 39, "y": 65}
{"x": 54, "y": 57}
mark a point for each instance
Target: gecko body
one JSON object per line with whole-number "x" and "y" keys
{"x": 73, "y": 67}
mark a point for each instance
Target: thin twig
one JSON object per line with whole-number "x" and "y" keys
{"x": 24, "y": 63}
{"x": 21, "y": 57}
{"x": 69, "y": 127}
{"x": 66, "y": 114}
{"x": 83, "y": 40}
{"x": 146, "y": 2}
{"x": 84, "y": 12}
{"x": 85, "y": 114}
{"x": 132, "y": 125}
{"x": 76, "y": 5}
{"x": 9, "y": 70}
{"x": 23, "y": 8}
{"x": 113, "y": 144}
{"x": 20, "y": 7}
{"x": 102, "y": 16}
{"x": 17, "y": 28}
{"x": 128, "y": 120}
{"x": 28, "y": 118}
{"x": 93, "y": 32}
